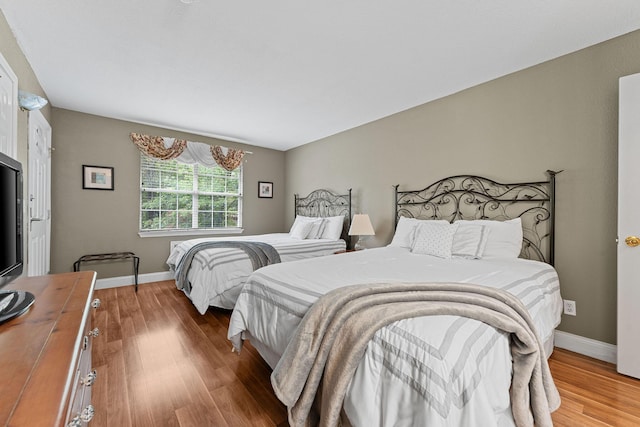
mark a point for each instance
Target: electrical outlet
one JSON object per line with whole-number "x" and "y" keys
{"x": 570, "y": 307}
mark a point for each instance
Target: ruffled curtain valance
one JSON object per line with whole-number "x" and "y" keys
{"x": 187, "y": 151}
{"x": 231, "y": 160}
{"x": 154, "y": 146}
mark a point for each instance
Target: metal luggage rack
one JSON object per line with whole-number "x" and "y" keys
{"x": 112, "y": 256}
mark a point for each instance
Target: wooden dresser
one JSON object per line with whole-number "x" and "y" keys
{"x": 45, "y": 354}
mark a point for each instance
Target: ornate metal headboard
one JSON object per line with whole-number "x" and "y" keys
{"x": 324, "y": 203}
{"x": 474, "y": 197}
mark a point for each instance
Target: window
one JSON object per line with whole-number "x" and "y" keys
{"x": 177, "y": 196}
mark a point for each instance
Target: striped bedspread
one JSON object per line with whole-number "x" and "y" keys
{"x": 331, "y": 338}
{"x": 259, "y": 253}
{"x": 435, "y": 370}
{"x": 217, "y": 274}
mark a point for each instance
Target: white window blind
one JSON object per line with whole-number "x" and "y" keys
{"x": 176, "y": 196}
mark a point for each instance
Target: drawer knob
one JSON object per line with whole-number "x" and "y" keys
{"x": 94, "y": 332}
{"x": 95, "y": 303}
{"x": 87, "y": 413}
{"x": 89, "y": 379}
{"x": 75, "y": 422}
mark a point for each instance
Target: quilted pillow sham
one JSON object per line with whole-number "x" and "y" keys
{"x": 434, "y": 238}
{"x": 405, "y": 231}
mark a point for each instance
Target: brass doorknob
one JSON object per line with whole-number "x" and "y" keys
{"x": 632, "y": 241}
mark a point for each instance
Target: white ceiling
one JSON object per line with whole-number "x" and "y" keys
{"x": 278, "y": 73}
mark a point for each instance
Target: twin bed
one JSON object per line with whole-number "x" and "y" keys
{"x": 470, "y": 264}
{"x": 212, "y": 271}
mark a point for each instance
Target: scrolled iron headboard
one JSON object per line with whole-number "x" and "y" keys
{"x": 473, "y": 197}
{"x": 324, "y": 203}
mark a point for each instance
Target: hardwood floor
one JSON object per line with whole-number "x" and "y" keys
{"x": 161, "y": 363}
{"x": 593, "y": 393}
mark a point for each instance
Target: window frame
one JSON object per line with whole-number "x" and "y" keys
{"x": 190, "y": 231}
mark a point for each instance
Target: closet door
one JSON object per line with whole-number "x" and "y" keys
{"x": 39, "y": 253}
{"x": 629, "y": 227}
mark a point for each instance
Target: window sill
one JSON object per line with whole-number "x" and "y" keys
{"x": 171, "y": 233}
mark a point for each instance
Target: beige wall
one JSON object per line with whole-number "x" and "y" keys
{"x": 27, "y": 81}
{"x": 558, "y": 115}
{"x": 97, "y": 221}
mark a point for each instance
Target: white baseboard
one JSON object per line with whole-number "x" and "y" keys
{"x": 115, "y": 282}
{"x": 587, "y": 346}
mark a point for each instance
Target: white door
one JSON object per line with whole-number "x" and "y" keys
{"x": 8, "y": 109}
{"x": 39, "y": 253}
{"x": 629, "y": 227}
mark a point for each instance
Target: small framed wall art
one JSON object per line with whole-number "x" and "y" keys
{"x": 97, "y": 177}
{"x": 265, "y": 190}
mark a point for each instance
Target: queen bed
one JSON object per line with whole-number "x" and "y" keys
{"x": 211, "y": 271}
{"x": 441, "y": 368}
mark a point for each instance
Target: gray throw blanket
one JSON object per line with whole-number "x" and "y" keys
{"x": 332, "y": 337}
{"x": 261, "y": 254}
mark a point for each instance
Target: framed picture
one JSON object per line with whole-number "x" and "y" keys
{"x": 265, "y": 189}
{"x": 97, "y": 177}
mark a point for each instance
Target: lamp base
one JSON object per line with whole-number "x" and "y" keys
{"x": 359, "y": 246}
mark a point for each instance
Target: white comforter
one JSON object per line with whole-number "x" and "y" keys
{"x": 439, "y": 370}
{"x": 217, "y": 274}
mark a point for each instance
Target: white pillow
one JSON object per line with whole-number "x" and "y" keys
{"x": 405, "y": 230}
{"x": 333, "y": 227}
{"x": 504, "y": 239}
{"x": 297, "y": 222}
{"x": 434, "y": 238}
{"x": 403, "y": 236}
{"x": 316, "y": 230}
{"x": 470, "y": 240}
{"x": 300, "y": 229}
{"x": 317, "y": 226}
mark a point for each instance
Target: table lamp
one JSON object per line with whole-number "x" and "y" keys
{"x": 361, "y": 226}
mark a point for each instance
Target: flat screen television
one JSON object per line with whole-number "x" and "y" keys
{"x": 12, "y": 303}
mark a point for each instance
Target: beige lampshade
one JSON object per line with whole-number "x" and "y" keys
{"x": 361, "y": 226}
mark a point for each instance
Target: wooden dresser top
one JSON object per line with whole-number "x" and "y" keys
{"x": 39, "y": 349}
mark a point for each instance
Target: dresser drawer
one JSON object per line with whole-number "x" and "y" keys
{"x": 46, "y": 350}
{"x": 80, "y": 408}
